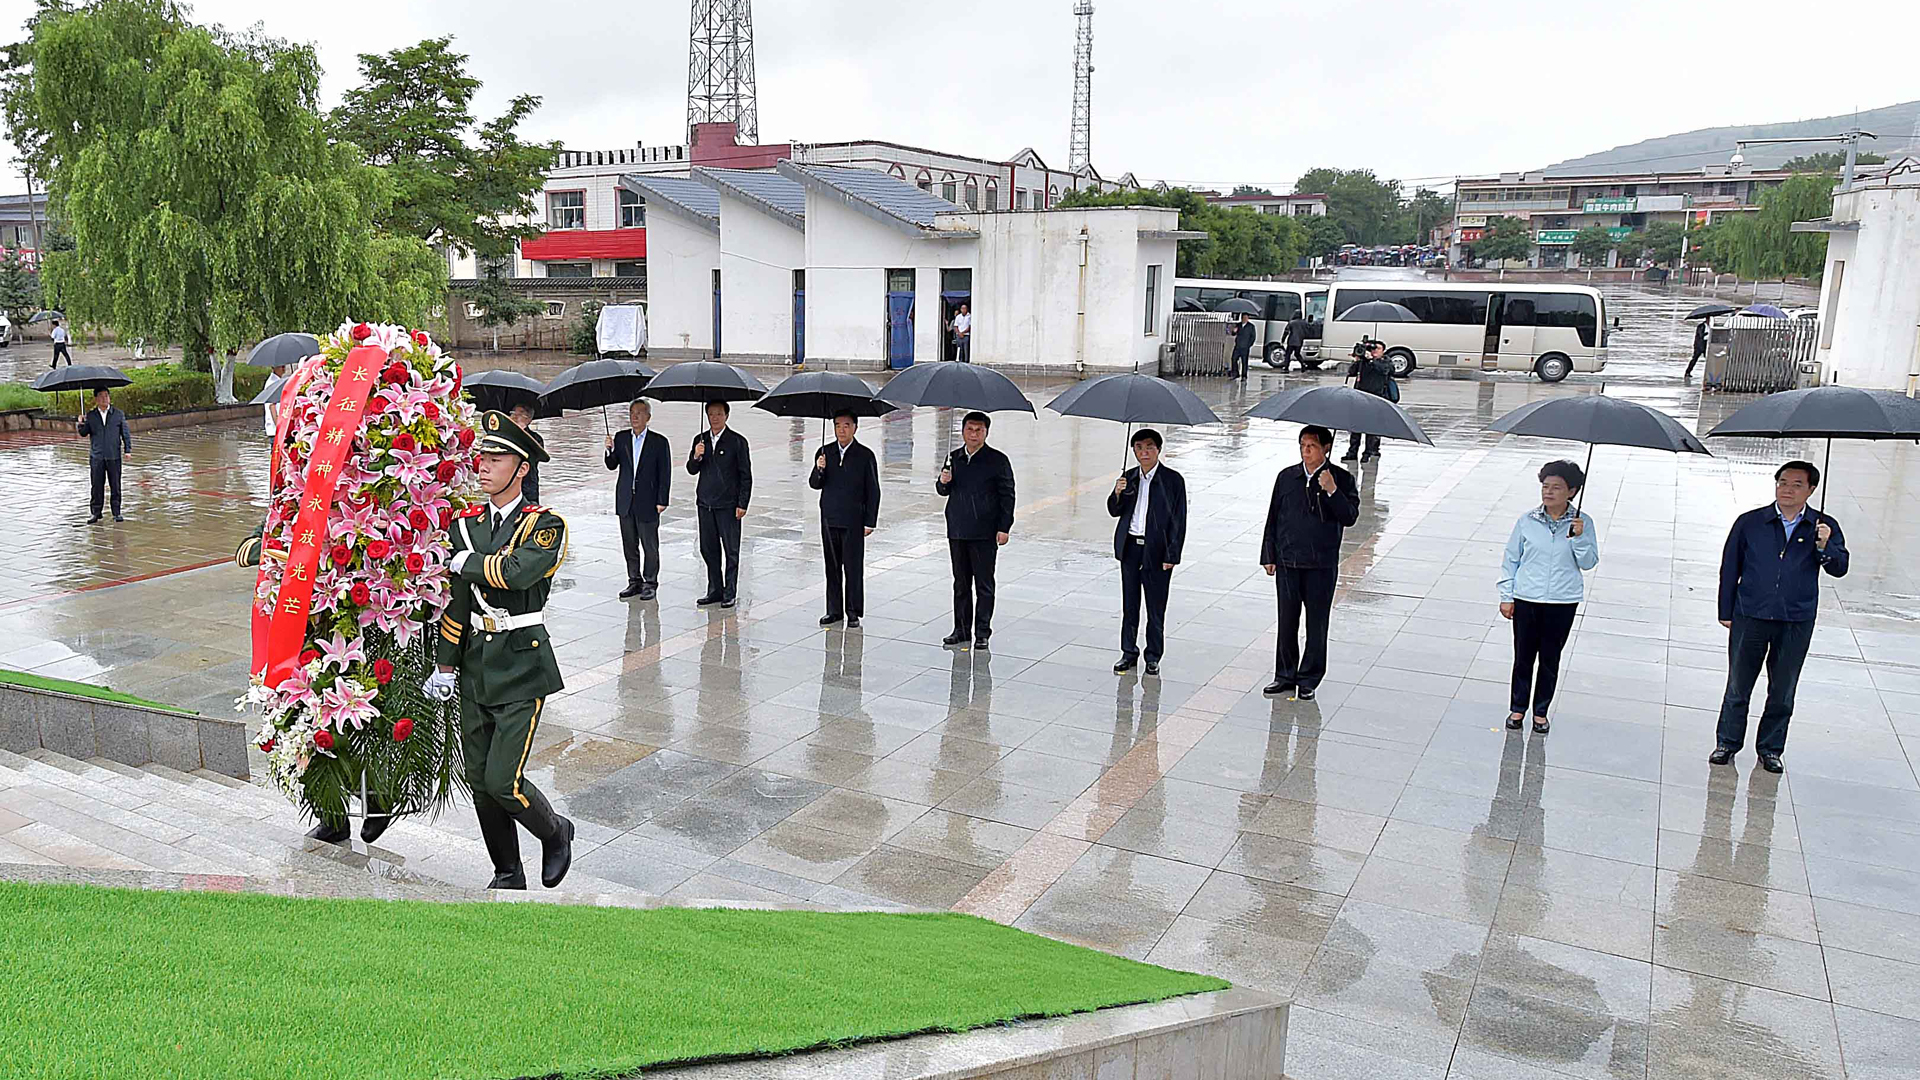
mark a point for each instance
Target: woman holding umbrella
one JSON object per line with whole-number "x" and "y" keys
{"x": 1541, "y": 588}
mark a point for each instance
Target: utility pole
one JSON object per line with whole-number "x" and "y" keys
{"x": 720, "y": 84}
{"x": 1850, "y": 137}
{"x": 1079, "y": 150}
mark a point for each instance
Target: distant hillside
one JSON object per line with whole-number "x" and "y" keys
{"x": 1713, "y": 146}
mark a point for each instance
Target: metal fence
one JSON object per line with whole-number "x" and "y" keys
{"x": 1765, "y": 355}
{"x": 1202, "y": 344}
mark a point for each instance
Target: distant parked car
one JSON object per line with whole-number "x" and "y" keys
{"x": 1803, "y": 313}
{"x": 6, "y": 330}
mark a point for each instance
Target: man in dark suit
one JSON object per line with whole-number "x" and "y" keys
{"x": 106, "y": 426}
{"x": 522, "y": 414}
{"x": 1313, "y": 505}
{"x": 1295, "y": 339}
{"x": 640, "y": 496}
{"x": 1151, "y": 503}
{"x": 1242, "y": 348}
{"x": 848, "y": 480}
{"x": 978, "y": 484}
{"x": 719, "y": 459}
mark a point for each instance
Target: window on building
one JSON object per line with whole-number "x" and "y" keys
{"x": 556, "y": 309}
{"x": 950, "y": 191}
{"x": 1726, "y": 189}
{"x": 633, "y": 212}
{"x": 1020, "y": 198}
{"x": 993, "y": 194}
{"x": 631, "y": 268}
{"x": 924, "y": 181}
{"x": 475, "y": 311}
{"x": 972, "y": 194}
{"x": 497, "y": 266}
{"x": 1053, "y": 194}
{"x": 566, "y": 209}
{"x": 1153, "y": 297}
{"x": 1303, "y": 210}
{"x": 569, "y": 269}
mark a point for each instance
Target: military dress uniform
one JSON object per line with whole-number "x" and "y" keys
{"x": 493, "y": 633}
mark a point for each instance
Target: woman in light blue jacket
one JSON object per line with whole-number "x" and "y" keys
{"x": 1540, "y": 587}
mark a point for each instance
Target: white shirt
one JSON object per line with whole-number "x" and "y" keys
{"x": 843, "y": 449}
{"x": 60, "y": 335}
{"x": 639, "y": 441}
{"x": 963, "y": 323}
{"x": 1138, "y": 527}
{"x": 103, "y": 424}
{"x": 498, "y": 514}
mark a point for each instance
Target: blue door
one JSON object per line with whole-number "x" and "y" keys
{"x": 716, "y": 313}
{"x": 799, "y": 326}
{"x": 899, "y": 330}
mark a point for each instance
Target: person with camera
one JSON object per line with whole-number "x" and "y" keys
{"x": 1242, "y": 348}
{"x": 1372, "y": 373}
{"x": 1541, "y": 588}
{"x": 1314, "y": 503}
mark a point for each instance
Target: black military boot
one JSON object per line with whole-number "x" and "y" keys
{"x": 503, "y": 843}
{"x": 331, "y": 830}
{"x": 554, "y": 832}
{"x": 377, "y": 818}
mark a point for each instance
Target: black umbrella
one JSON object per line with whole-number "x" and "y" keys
{"x": 1826, "y": 412}
{"x": 821, "y": 394}
{"x": 1239, "y": 305}
{"x": 1342, "y": 408}
{"x": 956, "y": 386}
{"x": 283, "y": 349}
{"x": 1708, "y": 311}
{"x": 270, "y": 393}
{"x": 1134, "y": 399}
{"x": 1188, "y": 303}
{"x": 594, "y": 384}
{"x": 1379, "y": 311}
{"x": 44, "y": 316}
{"x": 503, "y": 390}
{"x": 704, "y": 380}
{"x": 81, "y": 377}
{"x": 1597, "y": 419}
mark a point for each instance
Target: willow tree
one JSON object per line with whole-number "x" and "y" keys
{"x": 192, "y": 167}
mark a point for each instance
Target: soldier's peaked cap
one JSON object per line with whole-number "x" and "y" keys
{"x": 500, "y": 435}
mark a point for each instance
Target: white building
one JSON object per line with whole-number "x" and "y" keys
{"x": 882, "y": 266}
{"x": 1304, "y": 204}
{"x": 1870, "y": 292}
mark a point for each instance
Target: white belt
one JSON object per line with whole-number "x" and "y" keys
{"x": 494, "y": 624}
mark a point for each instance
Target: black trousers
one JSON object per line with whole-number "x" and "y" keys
{"x": 973, "y": 562}
{"x": 1311, "y": 588}
{"x": 1236, "y": 365}
{"x": 103, "y": 470}
{"x": 638, "y": 536}
{"x": 1294, "y": 356}
{"x": 60, "y": 350}
{"x": 846, "y": 555}
{"x": 720, "y": 535}
{"x": 1137, "y": 580}
{"x": 1353, "y": 445}
{"x": 1539, "y": 634}
{"x": 1698, "y": 352}
{"x": 1780, "y": 646}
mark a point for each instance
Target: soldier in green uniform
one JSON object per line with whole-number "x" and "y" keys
{"x": 505, "y": 553}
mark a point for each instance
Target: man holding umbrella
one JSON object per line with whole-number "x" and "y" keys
{"x": 106, "y": 428}
{"x": 848, "y": 480}
{"x": 978, "y": 485}
{"x": 719, "y": 458}
{"x": 1242, "y": 347}
{"x": 1313, "y": 505}
{"x": 640, "y": 496}
{"x": 1151, "y": 503}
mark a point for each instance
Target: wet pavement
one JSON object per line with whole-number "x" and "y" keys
{"x": 1440, "y": 896}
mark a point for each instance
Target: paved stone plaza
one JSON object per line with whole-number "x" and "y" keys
{"x": 1440, "y": 896}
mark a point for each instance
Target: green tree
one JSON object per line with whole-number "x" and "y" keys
{"x": 1365, "y": 207}
{"x": 1763, "y": 243}
{"x": 1830, "y": 161}
{"x": 412, "y": 115}
{"x": 19, "y": 287}
{"x": 1505, "y": 238}
{"x": 1240, "y": 242}
{"x": 1592, "y": 244}
{"x": 1659, "y": 241}
{"x": 1249, "y": 189}
{"x": 192, "y": 166}
{"x": 1426, "y": 210}
{"x": 1324, "y": 235}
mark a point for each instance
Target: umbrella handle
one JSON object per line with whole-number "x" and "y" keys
{"x": 1826, "y": 467}
{"x": 1581, "y": 499}
{"x": 604, "y": 422}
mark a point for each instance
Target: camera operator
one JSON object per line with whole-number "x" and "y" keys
{"x": 1372, "y": 373}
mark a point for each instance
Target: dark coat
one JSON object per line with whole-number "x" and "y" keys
{"x": 1763, "y": 575}
{"x": 1243, "y": 337}
{"x": 1305, "y": 524}
{"x": 109, "y": 439}
{"x": 530, "y": 487}
{"x": 849, "y": 492}
{"x": 980, "y": 499}
{"x": 726, "y": 473}
{"x": 1296, "y": 332}
{"x": 1166, "y": 515}
{"x": 1700, "y": 339}
{"x": 1371, "y": 376}
{"x": 642, "y": 494}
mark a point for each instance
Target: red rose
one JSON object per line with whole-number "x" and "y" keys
{"x": 341, "y": 555}
{"x": 466, "y": 437}
{"x": 404, "y": 441}
{"x": 431, "y": 410}
{"x": 396, "y": 372}
{"x": 420, "y": 338}
{"x": 379, "y": 549}
{"x": 446, "y": 517}
{"x": 418, "y": 519}
{"x": 267, "y": 747}
{"x": 383, "y": 671}
{"x": 415, "y": 562}
{"x": 402, "y": 728}
{"x": 446, "y": 470}
{"x": 323, "y": 739}
{"x": 405, "y": 538}
{"x": 360, "y": 593}
{"x": 361, "y": 331}
{"x": 309, "y": 657}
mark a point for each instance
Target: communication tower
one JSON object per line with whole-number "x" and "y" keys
{"x": 1078, "y": 150}
{"x": 720, "y": 69}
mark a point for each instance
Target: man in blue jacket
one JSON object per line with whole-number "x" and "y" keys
{"x": 1151, "y": 503}
{"x": 1769, "y": 594}
{"x": 105, "y": 426}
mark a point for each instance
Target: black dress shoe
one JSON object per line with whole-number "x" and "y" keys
{"x": 94, "y": 520}
{"x": 1720, "y": 756}
{"x": 958, "y": 637}
{"x": 556, "y": 860}
{"x": 1304, "y": 693}
{"x": 1771, "y": 763}
{"x": 1514, "y": 720}
{"x": 329, "y": 832}
{"x": 979, "y": 643}
{"x": 376, "y": 822}
{"x": 631, "y": 591}
{"x": 1276, "y": 688}
{"x": 1126, "y": 663}
{"x": 853, "y": 622}
{"x": 708, "y": 600}
{"x": 729, "y": 600}
{"x": 517, "y": 880}
{"x": 1153, "y": 667}
{"x": 117, "y": 517}
{"x": 648, "y": 592}
{"x": 829, "y": 620}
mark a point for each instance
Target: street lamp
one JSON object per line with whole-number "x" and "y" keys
{"x": 1851, "y": 138}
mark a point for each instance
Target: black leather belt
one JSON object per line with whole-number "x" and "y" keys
{"x": 1136, "y": 539}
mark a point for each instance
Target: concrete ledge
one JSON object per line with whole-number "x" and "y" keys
{"x": 216, "y": 414}
{"x": 83, "y": 727}
{"x": 1233, "y": 1034}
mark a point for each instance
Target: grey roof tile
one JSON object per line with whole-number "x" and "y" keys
{"x": 688, "y": 195}
{"x": 888, "y": 193}
{"x": 770, "y": 189}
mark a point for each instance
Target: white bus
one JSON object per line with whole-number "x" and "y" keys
{"x": 1550, "y": 330}
{"x": 1282, "y": 301}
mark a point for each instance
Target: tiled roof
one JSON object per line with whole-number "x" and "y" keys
{"x": 888, "y": 194}
{"x": 775, "y": 193}
{"x": 687, "y": 197}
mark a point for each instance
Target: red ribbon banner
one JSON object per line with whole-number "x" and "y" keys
{"x": 297, "y": 381}
{"x": 287, "y": 631}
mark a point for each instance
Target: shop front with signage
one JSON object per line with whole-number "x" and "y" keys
{"x": 1611, "y": 205}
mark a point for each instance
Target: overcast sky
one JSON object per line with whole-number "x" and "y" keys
{"x": 1200, "y": 91}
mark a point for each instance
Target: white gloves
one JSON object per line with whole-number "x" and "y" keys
{"x": 459, "y": 560}
{"x": 439, "y": 685}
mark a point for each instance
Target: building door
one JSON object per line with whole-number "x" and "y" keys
{"x": 716, "y": 314}
{"x": 799, "y": 317}
{"x": 956, "y": 288}
{"x": 899, "y": 319}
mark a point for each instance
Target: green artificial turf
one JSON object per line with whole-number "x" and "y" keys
{"x": 158, "y": 985}
{"x": 78, "y": 689}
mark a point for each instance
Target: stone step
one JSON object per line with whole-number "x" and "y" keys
{"x": 127, "y": 833}
{"x": 60, "y": 848}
